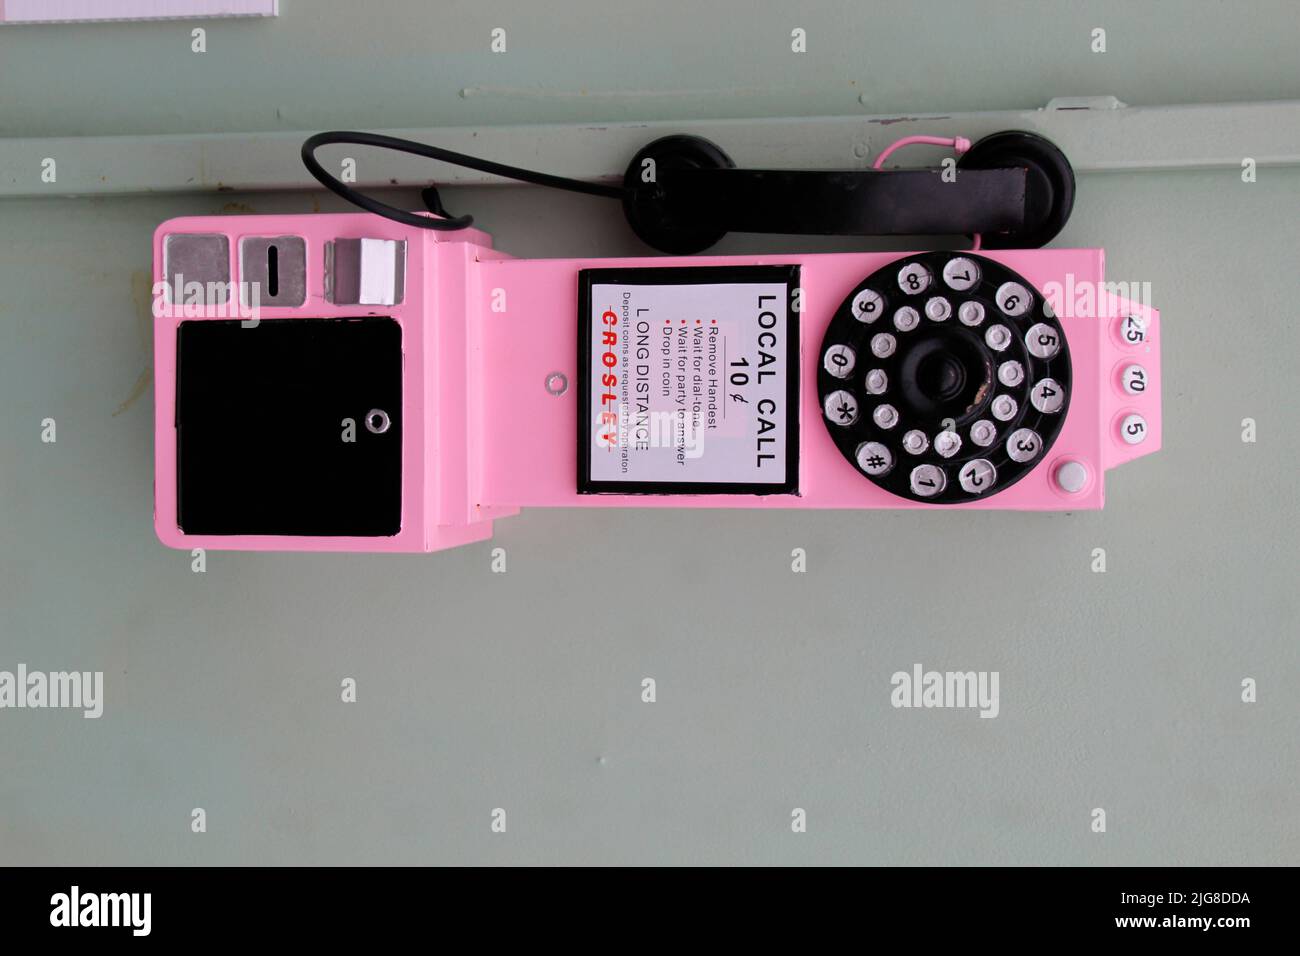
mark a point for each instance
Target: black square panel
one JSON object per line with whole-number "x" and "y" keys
{"x": 260, "y": 427}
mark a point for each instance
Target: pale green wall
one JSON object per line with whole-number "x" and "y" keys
{"x": 383, "y": 63}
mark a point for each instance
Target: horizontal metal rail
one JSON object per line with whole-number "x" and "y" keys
{"x": 1098, "y": 134}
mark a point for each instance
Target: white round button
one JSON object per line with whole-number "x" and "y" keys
{"x": 882, "y": 345}
{"x": 1011, "y": 373}
{"x": 938, "y": 309}
{"x": 961, "y": 273}
{"x": 874, "y": 458}
{"x": 970, "y": 313}
{"x": 1047, "y": 396}
{"x": 1024, "y": 445}
{"x": 1134, "y": 379}
{"x": 1013, "y": 299}
{"x": 1133, "y": 329}
{"x": 868, "y": 305}
{"x": 839, "y": 361}
{"x": 841, "y": 408}
{"x": 906, "y": 319}
{"x": 997, "y": 337}
{"x": 877, "y": 381}
{"x": 983, "y": 432}
{"x": 1071, "y": 476}
{"x": 1133, "y": 429}
{"x": 1043, "y": 341}
{"x": 915, "y": 442}
{"x": 1004, "y": 408}
{"x": 913, "y": 278}
{"x": 978, "y": 476}
{"x": 928, "y": 480}
{"x": 886, "y": 416}
{"x": 947, "y": 444}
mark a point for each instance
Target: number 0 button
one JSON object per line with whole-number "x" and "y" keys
{"x": 839, "y": 361}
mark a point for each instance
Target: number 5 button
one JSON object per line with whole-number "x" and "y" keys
{"x": 1133, "y": 429}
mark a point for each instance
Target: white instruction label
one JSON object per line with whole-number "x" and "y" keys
{"x": 691, "y": 381}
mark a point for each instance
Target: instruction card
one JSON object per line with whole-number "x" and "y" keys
{"x": 689, "y": 380}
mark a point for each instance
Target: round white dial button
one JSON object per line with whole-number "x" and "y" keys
{"x": 970, "y": 313}
{"x": 947, "y": 444}
{"x": 915, "y": 442}
{"x": 1043, "y": 341}
{"x": 1071, "y": 477}
{"x": 1011, "y": 373}
{"x": 1024, "y": 445}
{"x": 1048, "y": 396}
{"x": 883, "y": 345}
{"x": 1134, "y": 379}
{"x": 874, "y": 458}
{"x": 841, "y": 408}
{"x": 938, "y": 309}
{"x": 1013, "y": 299}
{"x": 868, "y": 305}
{"x": 978, "y": 476}
{"x": 1133, "y": 429}
{"x": 906, "y": 319}
{"x": 983, "y": 432}
{"x": 961, "y": 274}
{"x": 998, "y": 337}
{"x": 877, "y": 381}
{"x": 928, "y": 480}
{"x": 1004, "y": 408}
{"x": 913, "y": 278}
{"x": 885, "y": 416}
{"x": 839, "y": 361}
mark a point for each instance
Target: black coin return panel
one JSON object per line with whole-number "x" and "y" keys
{"x": 261, "y": 427}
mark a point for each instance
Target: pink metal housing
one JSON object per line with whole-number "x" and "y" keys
{"x": 484, "y": 437}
